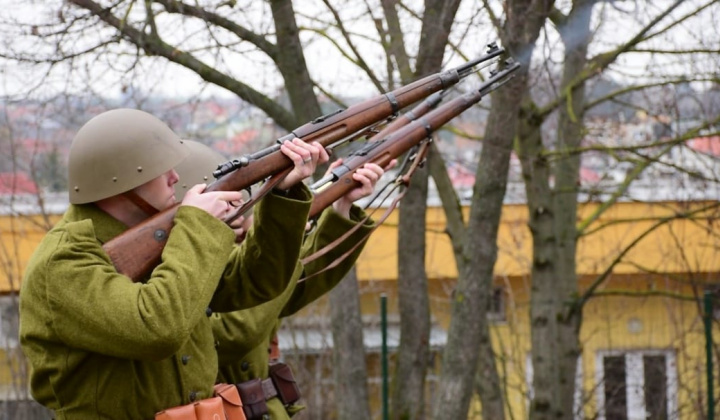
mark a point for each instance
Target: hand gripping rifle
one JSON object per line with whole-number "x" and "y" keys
{"x": 138, "y": 250}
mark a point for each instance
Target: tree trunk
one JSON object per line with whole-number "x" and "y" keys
{"x": 414, "y": 305}
{"x": 291, "y": 63}
{"x": 351, "y": 393}
{"x": 469, "y": 335}
{"x": 468, "y": 325}
{"x": 408, "y": 389}
{"x": 553, "y": 219}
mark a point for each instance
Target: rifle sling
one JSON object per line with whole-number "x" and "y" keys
{"x": 339, "y": 240}
{"x": 402, "y": 180}
{"x": 143, "y": 205}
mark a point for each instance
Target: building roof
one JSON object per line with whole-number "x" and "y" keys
{"x": 16, "y": 183}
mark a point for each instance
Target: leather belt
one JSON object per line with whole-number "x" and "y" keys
{"x": 269, "y": 389}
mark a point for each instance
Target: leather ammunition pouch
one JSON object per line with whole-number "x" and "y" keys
{"x": 232, "y": 404}
{"x": 253, "y": 398}
{"x": 207, "y": 409}
{"x": 225, "y": 405}
{"x": 255, "y": 392}
{"x": 282, "y": 377}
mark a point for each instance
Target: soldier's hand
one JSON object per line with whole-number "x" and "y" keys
{"x": 305, "y": 157}
{"x": 367, "y": 176}
{"x": 217, "y": 203}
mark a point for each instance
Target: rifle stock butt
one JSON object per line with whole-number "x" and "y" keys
{"x": 138, "y": 250}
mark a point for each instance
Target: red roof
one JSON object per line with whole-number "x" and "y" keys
{"x": 16, "y": 183}
{"x": 709, "y": 145}
{"x": 238, "y": 143}
{"x": 460, "y": 176}
{"x": 588, "y": 175}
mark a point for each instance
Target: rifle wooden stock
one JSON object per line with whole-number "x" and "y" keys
{"x": 140, "y": 252}
{"x": 399, "y": 137}
{"x": 137, "y": 251}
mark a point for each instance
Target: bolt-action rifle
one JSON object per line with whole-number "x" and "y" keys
{"x": 138, "y": 250}
{"x": 400, "y": 136}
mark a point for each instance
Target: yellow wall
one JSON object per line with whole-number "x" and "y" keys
{"x": 623, "y": 223}
{"x": 19, "y": 235}
{"x": 678, "y": 247}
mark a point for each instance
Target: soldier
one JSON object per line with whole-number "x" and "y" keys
{"x": 102, "y": 346}
{"x": 246, "y": 348}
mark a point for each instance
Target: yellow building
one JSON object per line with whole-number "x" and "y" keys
{"x": 642, "y": 334}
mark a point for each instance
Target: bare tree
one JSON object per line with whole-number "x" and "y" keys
{"x": 553, "y": 211}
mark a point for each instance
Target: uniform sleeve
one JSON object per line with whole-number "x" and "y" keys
{"x": 99, "y": 310}
{"x": 330, "y": 226}
{"x": 263, "y": 265}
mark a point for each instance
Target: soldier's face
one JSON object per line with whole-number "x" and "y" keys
{"x": 159, "y": 192}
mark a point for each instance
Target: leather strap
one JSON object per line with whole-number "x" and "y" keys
{"x": 402, "y": 180}
{"x": 269, "y": 389}
{"x": 143, "y": 205}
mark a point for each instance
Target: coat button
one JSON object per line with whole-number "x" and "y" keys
{"x": 185, "y": 359}
{"x": 208, "y": 311}
{"x": 192, "y": 396}
{"x": 217, "y": 344}
{"x": 244, "y": 365}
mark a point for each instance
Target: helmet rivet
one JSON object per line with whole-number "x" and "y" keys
{"x": 77, "y": 188}
{"x": 114, "y": 179}
{"x": 139, "y": 169}
{"x": 205, "y": 178}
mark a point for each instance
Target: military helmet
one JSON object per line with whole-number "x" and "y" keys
{"x": 197, "y": 168}
{"x": 119, "y": 150}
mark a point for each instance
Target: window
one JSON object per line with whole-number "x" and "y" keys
{"x": 636, "y": 385}
{"x": 496, "y": 310}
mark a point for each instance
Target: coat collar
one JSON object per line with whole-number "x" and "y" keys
{"x": 106, "y": 227}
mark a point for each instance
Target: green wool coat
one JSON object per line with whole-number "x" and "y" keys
{"x": 103, "y": 347}
{"x": 244, "y": 336}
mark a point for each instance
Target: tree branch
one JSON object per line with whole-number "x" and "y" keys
{"x": 160, "y": 48}
{"x": 179, "y": 7}
{"x": 359, "y": 59}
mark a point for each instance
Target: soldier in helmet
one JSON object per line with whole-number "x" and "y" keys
{"x": 102, "y": 346}
{"x": 247, "y": 347}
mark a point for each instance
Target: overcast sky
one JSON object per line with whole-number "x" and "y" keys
{"x": 327, "y": 66}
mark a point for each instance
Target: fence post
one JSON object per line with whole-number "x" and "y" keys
{"x": 384, "y": 355}
{"x": 709, "y": 354}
